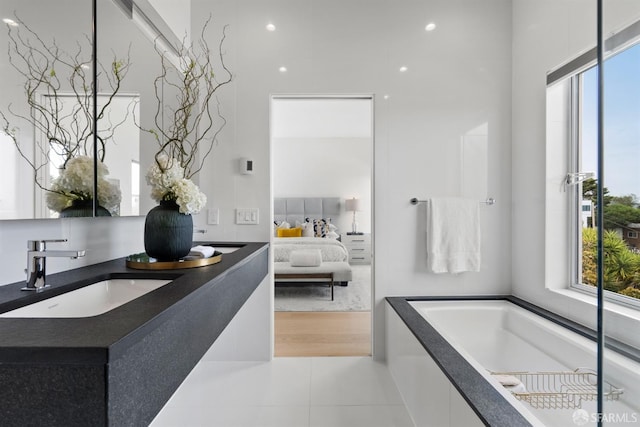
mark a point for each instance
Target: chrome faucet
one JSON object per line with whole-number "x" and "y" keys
{"x": 37, "y": 254}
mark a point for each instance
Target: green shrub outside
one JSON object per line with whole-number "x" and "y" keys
{"x": 621, "y": 265}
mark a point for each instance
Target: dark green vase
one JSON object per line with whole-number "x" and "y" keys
{"x": 82, "y": 208}
{"x": 168, "y": 234}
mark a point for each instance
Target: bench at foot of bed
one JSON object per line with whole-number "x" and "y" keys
{"x": 306, "y": 278}
{"x": 341, "y": 273}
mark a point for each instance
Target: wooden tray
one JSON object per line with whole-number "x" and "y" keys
{"x": 142, "y": 261}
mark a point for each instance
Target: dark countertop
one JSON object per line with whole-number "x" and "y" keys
{"x": 102, "y": 338}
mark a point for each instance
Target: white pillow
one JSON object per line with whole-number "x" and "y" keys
{"x": 307, "y": 229}
{"x": 283, "y": 224}
{"x": 332, "y": 235}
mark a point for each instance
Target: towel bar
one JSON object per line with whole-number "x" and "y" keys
{"x": 489, "y": 201}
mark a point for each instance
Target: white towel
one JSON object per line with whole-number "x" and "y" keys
{"x": 453, "y": 235}
{"x": 202, "y": 251}
{"x": 306, "y": 258}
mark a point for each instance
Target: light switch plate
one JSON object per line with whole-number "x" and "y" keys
{"x": 213, "y": 216}
{"x": 247, "y": 216}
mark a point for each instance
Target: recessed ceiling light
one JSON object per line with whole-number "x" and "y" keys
{"x": 430, "y": 26}
{"x": 403, "y": 69}
{"x": 282, "y": 69}
{"x": 386, "y": 97}
{"x": 10, "y": 22}
{"x": 270, "y": 27}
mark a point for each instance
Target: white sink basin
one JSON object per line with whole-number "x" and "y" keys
{"x": 91, "y": 300}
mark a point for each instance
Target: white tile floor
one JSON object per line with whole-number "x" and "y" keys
{"x": 287, "y": 392}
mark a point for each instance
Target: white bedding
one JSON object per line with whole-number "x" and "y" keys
{"x": 332, "y": 250}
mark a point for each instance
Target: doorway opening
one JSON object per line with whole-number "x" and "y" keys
{"x": 322, "y": 189}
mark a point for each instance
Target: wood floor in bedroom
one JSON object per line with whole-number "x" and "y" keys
{"x": 326, "y": 333}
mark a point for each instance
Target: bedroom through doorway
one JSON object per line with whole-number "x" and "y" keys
{"x": 322, "y": 244}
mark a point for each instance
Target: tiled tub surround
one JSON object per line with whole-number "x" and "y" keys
{"x": 464, "y": 338}
{"x": 118, "y": 368}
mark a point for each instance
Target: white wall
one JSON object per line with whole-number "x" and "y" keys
{"x": 458, "y": 81}
{"x": 325, "y": 167}
{"x": 547, "y": 33}
{"x": 177, "y": 15}
{"x": 102, "y": 238}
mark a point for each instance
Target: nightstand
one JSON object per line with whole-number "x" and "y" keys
{"x": 359, "y": 247}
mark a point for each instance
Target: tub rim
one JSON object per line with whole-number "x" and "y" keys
{"x": 489, "y": 405}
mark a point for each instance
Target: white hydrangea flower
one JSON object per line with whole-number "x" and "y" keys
{"x": 109, "y": 194}
{"x": 57, "y": 201}
{"x": 75, "y": 182}
{"x": 188, "y": 196}
{"x": 167, "y": 181}
{"x": 103, "y": 170}
{"x": 77, "y": 176}
{"x": 162, "y": 175}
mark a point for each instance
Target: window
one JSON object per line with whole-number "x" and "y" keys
{"x": 135, "y": 187}
{"x": 621, "y": 206}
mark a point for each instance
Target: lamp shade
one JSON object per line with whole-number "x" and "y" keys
{"x": 352, "y": 205}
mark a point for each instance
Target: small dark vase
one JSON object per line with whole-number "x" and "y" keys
{"x": 168, "y": 234}
{"x": 82, "y": 208}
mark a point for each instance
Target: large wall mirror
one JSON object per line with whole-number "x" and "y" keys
{"x": 47, "y": 102}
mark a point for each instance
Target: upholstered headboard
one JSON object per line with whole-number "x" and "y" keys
{"x": 292, "y": 209}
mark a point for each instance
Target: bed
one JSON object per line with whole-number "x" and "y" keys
{"x": 333, "y": 267}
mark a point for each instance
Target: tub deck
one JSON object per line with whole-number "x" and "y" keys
{"x": 471, "y": 337}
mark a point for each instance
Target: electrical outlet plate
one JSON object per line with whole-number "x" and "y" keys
{"x": 247, "y": 216}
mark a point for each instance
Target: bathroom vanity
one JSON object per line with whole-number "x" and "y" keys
{"x": 118, "y": 368}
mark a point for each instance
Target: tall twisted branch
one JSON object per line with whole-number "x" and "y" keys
{"x": 194, "y": 120}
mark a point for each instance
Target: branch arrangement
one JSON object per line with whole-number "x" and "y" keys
{"x": 49, "y": 73}
{"x": 195, "y": 121}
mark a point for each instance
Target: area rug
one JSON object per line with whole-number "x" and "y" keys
{"x": 356, "y": 296}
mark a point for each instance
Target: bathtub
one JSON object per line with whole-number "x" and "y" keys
{"x": 469, "y": 341}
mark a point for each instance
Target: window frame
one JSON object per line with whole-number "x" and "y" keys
{"x": 574, "y": 192}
